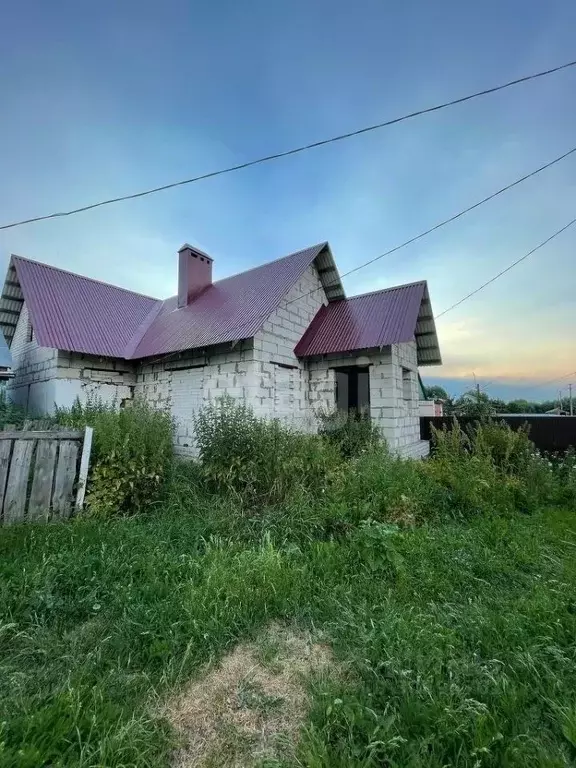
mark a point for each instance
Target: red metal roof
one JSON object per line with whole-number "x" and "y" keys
{"x": 371, "y": 320}
{"x": 231, "y": 309}
{"x": 79, "y": 314}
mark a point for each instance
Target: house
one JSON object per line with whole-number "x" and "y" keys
{"x": 281, "y": 337}
{"x": 433, "y": 406}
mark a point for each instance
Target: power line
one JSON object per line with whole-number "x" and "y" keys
{"x": 508, "y": 268}
{"x": 446, "y": 221}
{"x": 551, "y": 381}
{"x": 294, "y": 151}
{"x": 442, "y": 224}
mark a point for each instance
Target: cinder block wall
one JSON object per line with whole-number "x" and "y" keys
{"x": 34, "y": 369}
{"x": 44, "y": 376}
{"x": 396, "y": 415}
{"x": 282, "y": 380}
{"x": 186, "y": 382}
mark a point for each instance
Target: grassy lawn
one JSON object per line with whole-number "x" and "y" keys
{"x": 458, "y": 641}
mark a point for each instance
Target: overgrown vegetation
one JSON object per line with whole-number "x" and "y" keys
{"x": 131, "y": 453}
{"x": 10, "y": 413}
{"x": 451, "y": 610}
{"x": 351, "y": 432}
{"x": 259, "y": 461}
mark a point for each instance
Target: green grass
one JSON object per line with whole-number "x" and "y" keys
{"x": 460, "y": 640}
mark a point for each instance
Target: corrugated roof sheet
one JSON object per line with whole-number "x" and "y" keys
{"x": 231, "y": 309}
{"x": 360, "y": 322}
{"x": 79, "y": 314}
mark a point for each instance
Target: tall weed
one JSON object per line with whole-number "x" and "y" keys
{"x": 131, "y": 453}
{"x": 352, "y": 433}
{"x": 257, "y": 460}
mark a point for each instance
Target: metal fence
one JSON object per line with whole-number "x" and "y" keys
{"x": 42, "y": 473}
{"x": 548, "y": 433}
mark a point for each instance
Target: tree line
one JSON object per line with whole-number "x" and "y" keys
{"x": 478, "y": 403}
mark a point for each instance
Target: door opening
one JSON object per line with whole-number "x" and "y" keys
{"x": 353, "y": 390}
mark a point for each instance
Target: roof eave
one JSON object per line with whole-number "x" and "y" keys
{"x": 329, "y": 274}
{"x": 427, "y": 344}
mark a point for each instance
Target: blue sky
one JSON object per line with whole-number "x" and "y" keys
{"x": 100, "y": 99}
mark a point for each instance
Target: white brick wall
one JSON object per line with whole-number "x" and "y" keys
{"x": 34, "y": 370}
{"x": 284, "y": 392}
{"x": 195, "y": 378}
{"x": 397, "y": 418}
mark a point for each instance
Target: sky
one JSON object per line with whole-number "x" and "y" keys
{"x": 104, "y": 99}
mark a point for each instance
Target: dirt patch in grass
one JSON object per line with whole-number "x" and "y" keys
{"x": 252, "y": 705}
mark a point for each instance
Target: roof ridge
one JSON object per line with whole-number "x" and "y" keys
{"x": 274, "y": 261}
{"x": 384, "y": 290}
{"x": 83, "y": 277}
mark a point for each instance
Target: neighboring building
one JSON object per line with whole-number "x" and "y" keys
{"x": 429, "y": 407}
{"x": 281, "y": 337}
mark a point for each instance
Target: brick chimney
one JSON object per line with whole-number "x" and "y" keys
{"x": 194, "y": 273}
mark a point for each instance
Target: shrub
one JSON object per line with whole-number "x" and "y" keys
{"x": 493, "y": 467}
{"x": 509, "y": 448}
{"x": 352, "y": 433}
{"x": 10, "y": 413}
{"x": 259, "y": 460}
{"x": 131, "y": 453}
{"x": 384, "y": 488}
{"x": 565, "y": 473}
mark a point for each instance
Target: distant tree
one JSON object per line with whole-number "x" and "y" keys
{"x": 521, "y": 406}
{"x": 499, "y": 406}
{"x": 436, "y": 393}
{"x": 474, "y": 403}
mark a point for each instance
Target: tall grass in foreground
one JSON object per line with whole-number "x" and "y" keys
{"x": 458, "y": 640}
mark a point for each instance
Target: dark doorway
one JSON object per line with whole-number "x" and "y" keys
{"x": 353, "y": 390}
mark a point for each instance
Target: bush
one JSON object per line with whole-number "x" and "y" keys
{"x": 565, "y": 473}
{"x": 10, "y": 413}
{"x": 492, "y": 468}
{"x": 352, "y": 433}
{"x": 131, "y": 453}
{"x": 258, "y": 460}
{"x": 382, "y": 487}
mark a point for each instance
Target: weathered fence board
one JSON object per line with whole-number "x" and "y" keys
{"x": 40, "y": 472}
{"x": 65, "y": 476}
{"x": 64, "y": 434}
{"x": 5, "y": 452}
{"x": 84, "y": 466}
{"x": 17, "y": 487}
{"x": 41, "y": 493}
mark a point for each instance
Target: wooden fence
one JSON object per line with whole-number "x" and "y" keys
{"x": 42, "y": 473}
{"x": 548, "y": 433}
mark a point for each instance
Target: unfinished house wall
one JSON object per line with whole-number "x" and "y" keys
{"x": 394, "y": 406}
{"x": 88, "y": 377}
{"x": 45, "y": 377}
{"x": 282, "y": 386}
{"x": 34, "y": 369}
{"x": 186, "y": 383}
{"x": 394, "y": 402}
